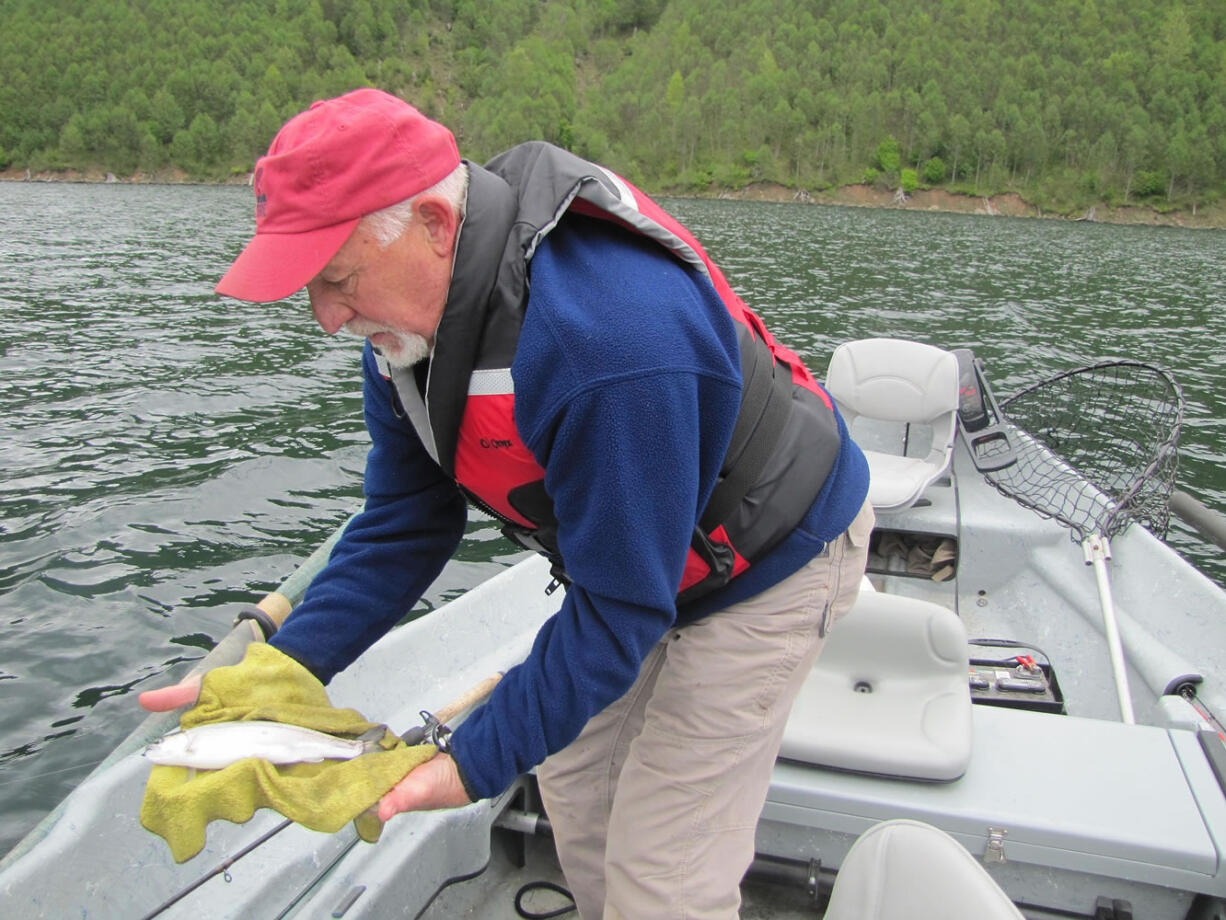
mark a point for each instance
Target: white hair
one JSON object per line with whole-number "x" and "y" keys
{"x": 387, "y": 225}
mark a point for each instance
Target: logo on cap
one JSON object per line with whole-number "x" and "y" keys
{"x": 261, "y": 200}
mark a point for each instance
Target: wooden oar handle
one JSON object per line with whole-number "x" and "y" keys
{"x": 469, "y": 699}
{"x": 266, "y": 617}
{"x": 276, "y": 605}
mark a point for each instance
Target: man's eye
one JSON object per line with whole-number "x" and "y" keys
{"x": 345, "y": 285}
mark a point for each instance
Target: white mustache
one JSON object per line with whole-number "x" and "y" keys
{"x": 411, "y": 347}
{"x": 365, "y": 328}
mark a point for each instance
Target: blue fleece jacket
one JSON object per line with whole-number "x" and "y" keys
{"x": 627, "y": 385}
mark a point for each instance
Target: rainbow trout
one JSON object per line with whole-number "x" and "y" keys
{"x": 214, "y": 746}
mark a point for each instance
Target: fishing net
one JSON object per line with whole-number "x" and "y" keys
{"x": 1096, "y": 447}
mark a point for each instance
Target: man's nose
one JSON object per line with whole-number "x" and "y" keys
{"x": 329, "y": 313}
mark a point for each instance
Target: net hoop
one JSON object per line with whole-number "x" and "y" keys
{"x": 1096, "y": 447}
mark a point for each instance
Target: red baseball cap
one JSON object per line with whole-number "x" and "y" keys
{"x": 326, "y": 169}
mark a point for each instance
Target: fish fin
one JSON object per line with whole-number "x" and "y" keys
{"x": 374, "y": 734}
{"x": 372, "y": 739}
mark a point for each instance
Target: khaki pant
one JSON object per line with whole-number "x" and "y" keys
{"x": 655, "y": 804}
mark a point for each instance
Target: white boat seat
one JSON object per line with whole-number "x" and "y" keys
{"x": 900, "y": 401}
{"x": 908, "y": 870}
{"x": 888, "y": 695}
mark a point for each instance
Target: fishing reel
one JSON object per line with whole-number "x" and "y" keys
{"x": 432, "y": 731}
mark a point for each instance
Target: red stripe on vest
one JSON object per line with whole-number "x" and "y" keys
{"x": 490, "y": 458}
{"x": 696, "y": 570}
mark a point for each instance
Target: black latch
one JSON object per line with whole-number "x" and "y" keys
{"x": 1112, "y": 909}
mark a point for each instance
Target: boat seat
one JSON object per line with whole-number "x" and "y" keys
{"x": 900, "y": 401}
{"x": 908, "y": 870}
{"x": 888, "y": 695}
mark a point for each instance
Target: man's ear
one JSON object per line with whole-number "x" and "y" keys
{"x": 439, "y": 222}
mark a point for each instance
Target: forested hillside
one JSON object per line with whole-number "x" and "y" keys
{"x": 1066, "y": 101}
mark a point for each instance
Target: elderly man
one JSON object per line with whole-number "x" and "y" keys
{"x": 547, "y": 343}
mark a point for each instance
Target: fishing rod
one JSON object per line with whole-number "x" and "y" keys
{"x": 220, "y": 869}
{"x": 433, "y": 730}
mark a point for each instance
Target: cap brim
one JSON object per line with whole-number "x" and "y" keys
{"x": 275, "y": 265}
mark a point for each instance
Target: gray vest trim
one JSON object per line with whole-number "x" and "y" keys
{"x": 477, "y": 314}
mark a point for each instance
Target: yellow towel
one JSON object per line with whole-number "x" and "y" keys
{"x": 179, "y": 803}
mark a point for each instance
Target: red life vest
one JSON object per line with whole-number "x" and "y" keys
{"x": 462, "y": 407}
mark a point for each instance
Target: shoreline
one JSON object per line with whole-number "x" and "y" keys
{"x": 102, "y": 177}
{"x": 1007, "y": 204}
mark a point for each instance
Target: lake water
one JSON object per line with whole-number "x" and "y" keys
{"x": 166, "y": 455}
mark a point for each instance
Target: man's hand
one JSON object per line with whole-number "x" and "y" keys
{"x": 435, "y": 784}
{"x": 164, "y": 699}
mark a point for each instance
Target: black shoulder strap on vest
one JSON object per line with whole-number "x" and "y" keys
{"x": 766, "y": 398}
{"x": 468, "y": 318}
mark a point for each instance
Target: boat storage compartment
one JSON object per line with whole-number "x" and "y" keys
{"x": 920, "y": 541}
{"x": 1049, "y": 802}
{"x": 908, "y": 554}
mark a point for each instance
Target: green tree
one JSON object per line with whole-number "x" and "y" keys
{"x": 1134, "y": 149}
{"x": 165, "y": 116}
{"x": 199, "y": 146}
{"x": 934, "y": 171}
{"x": 959, "y": 140}
{"x": 121, "y": 138}
{"x": 507, "y": 115}
{"x": 888, "y": 157}
{"x": 674, "y": 101}
{"x": 243, "y": 139}
{"x": 72, "y": 144}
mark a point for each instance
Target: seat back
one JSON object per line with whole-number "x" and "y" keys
{"x": 908, "y": 870}
{"x": 888, "y": 694}
{"x": 900, "y": 401}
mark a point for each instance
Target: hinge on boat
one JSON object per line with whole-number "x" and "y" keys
{"x": 995, "y": 852}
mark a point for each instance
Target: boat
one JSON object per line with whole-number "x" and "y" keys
{"x": 1030, "y": 670}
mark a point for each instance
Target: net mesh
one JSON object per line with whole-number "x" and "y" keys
{"x": 1096, "y": 447}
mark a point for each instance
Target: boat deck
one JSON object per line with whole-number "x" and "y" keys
{"x": 491, "y": 895}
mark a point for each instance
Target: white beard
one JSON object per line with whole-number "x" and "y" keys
{"x": 409, "y": 349}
